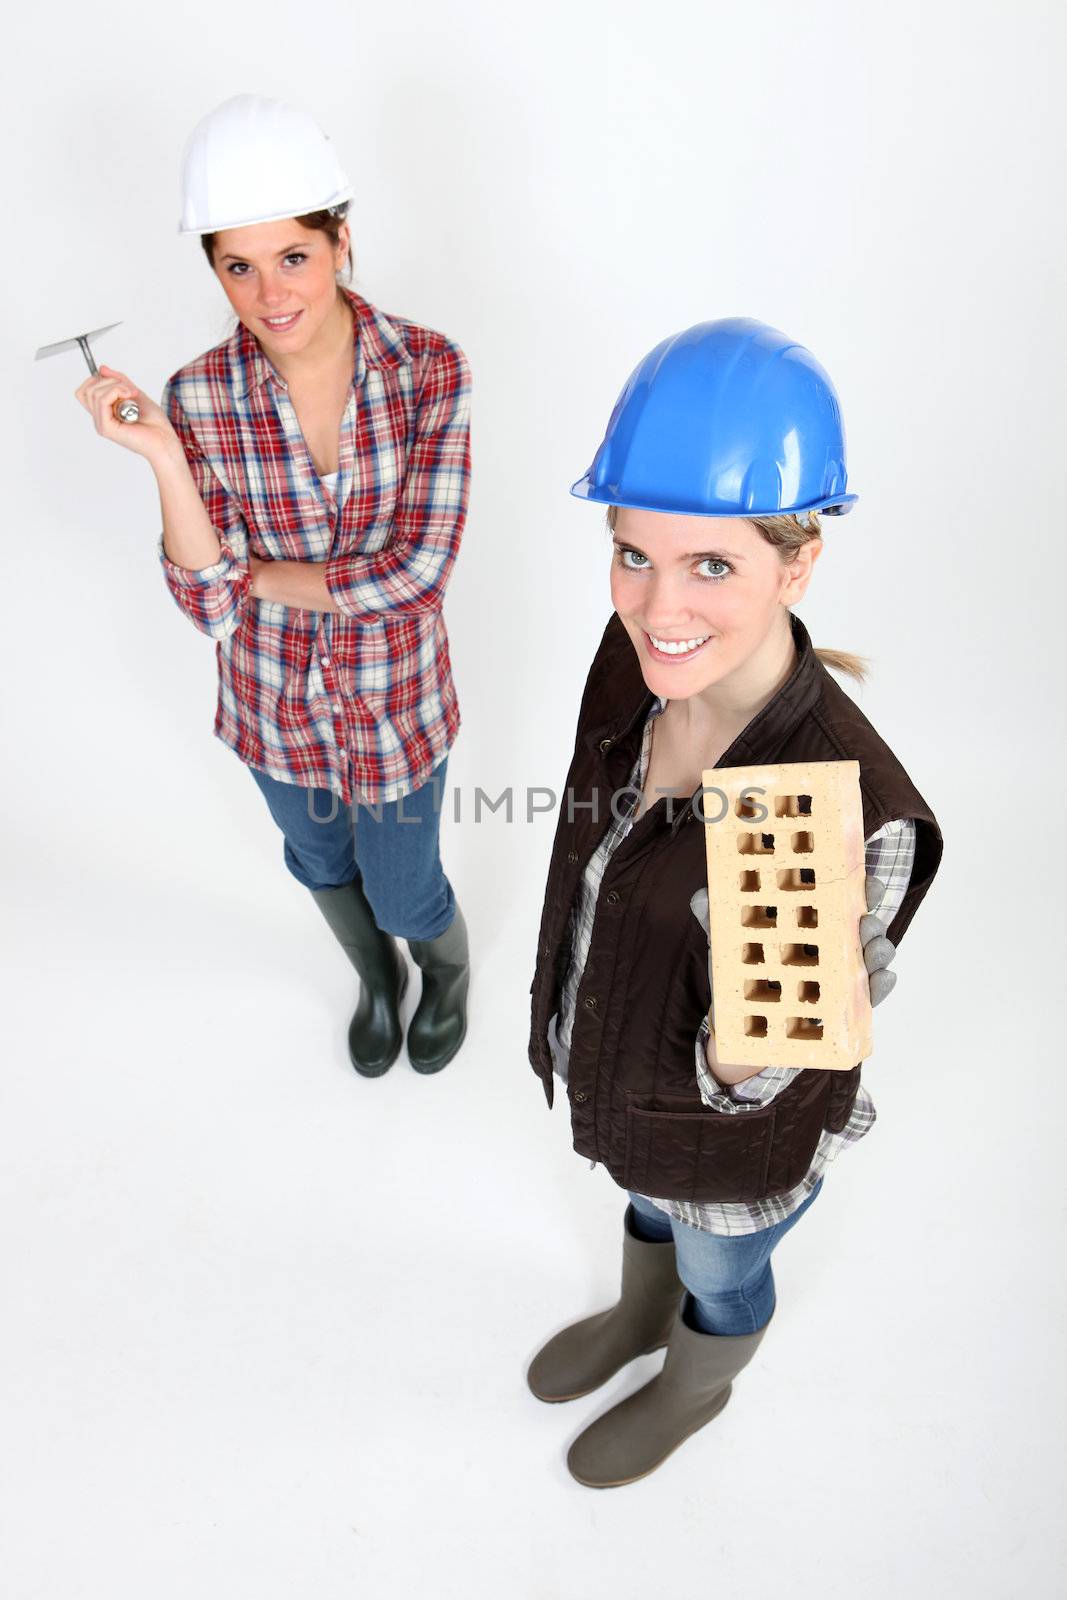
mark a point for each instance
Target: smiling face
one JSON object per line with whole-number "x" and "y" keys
{"x": 280, "y": 280}
{"x": 699, "y": 595}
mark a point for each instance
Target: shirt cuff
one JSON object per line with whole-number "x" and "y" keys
{"x": 196, "y": 577}
{"x": 747, "y": 1095}
{"x": 350, "y": 594}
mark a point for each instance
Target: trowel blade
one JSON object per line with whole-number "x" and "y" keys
{"x": 72, "y": 344}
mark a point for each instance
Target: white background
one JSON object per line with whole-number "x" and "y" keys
{"x": 265, "y": 1323}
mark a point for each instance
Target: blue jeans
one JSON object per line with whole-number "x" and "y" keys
{"x": 729, "y": 1278}
{"x": 393, "y": 848}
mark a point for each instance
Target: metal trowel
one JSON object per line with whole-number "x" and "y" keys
{"x": 125, "y": 410}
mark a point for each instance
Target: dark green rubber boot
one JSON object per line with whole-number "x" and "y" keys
{"x": 374, "y": 1033}
{"x": 439, "y": 1025}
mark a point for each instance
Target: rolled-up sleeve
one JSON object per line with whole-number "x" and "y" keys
{"x": 411, "y": 573}
{"x": 214, "y": 597}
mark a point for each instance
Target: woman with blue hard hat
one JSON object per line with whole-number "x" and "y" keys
{"x": 723, "y": 450}
{"x": 313, "y": 473}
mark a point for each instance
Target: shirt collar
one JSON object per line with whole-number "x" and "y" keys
{"x": 378, "y": 343}
{"x": 641, "y": 764}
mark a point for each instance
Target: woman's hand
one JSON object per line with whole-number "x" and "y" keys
{"x": 878, "y": 952}
{"x": 152, "y": 436}
{"x": 256, "y": 565}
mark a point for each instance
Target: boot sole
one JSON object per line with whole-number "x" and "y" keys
{"x": 437, "y": 1065}
{"x": 561, "y": 1399}
{"x": 619, "y": 1483}
{"x": 372, "y": 1072}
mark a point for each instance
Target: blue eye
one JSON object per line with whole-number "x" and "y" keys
{"x": 633, "y": 561}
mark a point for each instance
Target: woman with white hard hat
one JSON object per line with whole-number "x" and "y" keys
{"x": 313, "y": 473}
{"x": 722, "y": 451}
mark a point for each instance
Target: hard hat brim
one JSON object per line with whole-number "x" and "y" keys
{"x": 275, "y": 216}
{"x": 832, "y": 505}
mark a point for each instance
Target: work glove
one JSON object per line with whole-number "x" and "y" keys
{"x": 878, "y": 950}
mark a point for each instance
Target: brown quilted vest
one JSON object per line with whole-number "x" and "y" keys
{"x": 635, "y": 1105}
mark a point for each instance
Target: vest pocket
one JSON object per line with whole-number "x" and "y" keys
{"x": 722, "y": 1156}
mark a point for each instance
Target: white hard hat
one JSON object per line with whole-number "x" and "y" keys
{"x": 257, "y": 160}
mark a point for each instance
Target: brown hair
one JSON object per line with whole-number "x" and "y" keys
{"x": 787, "y": 533}
{"x": 328, "y": 222}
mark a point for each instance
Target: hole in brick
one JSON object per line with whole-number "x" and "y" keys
{"x": 803, "y": 843}
{"x": 749, "y": 882}
{"x": 792, "y": 805}
{"x": 794, "y": 878}
{"x": 759, "y": 917}
{"x": 808, "y": 991}
{"x": 745, "y": 807}
{"x": 763, "y": 990}
{"x": 756, "y": 844}
{"x": 751, "y": 954}
{"x": 807, "y": 917}
{"x": 756, "y": 1027}
{"x": 800, "y": 955}
{"x": 803, "y": 1028}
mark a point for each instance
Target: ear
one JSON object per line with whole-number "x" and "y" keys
{"x": 798, "y": 571}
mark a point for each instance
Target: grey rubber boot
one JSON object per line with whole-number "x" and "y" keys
{"x": 634, "y": 1437}
{"x": 439, "y": 1025}
{"x": 588, "y": 1353}
{"x": 374, "y": 1033}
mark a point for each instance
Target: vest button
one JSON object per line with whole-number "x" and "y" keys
{"x": 612, "y": 897}
{"x": 572, "y": 856}
{"x": 590, "y": 1002}
{"x": 581, "y": 1097}
{"x": 605, "y": 744}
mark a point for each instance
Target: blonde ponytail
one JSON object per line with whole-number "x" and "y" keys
{"x": 844, "y": 661}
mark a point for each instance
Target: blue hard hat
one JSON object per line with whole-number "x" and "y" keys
{"x": 728, "y": 419}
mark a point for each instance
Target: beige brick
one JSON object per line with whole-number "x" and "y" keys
{"x": 786, "y": 951}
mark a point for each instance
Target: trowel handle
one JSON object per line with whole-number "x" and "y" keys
{"x": 122, "y": 410}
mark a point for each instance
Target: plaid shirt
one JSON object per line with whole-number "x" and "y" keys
{"x": 360, "y": 701}
{"x": 889, "y": 855}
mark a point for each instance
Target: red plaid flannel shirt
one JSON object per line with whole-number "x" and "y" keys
{"x": 359, "y": 701}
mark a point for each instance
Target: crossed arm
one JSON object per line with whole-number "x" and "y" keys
{"x": 409, "y": 575}
{"x": 291, "y": 583}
